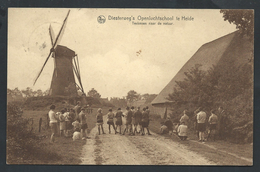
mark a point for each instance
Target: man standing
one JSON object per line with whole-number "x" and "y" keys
{"x": 184, "y": 119}
{"x": 201, "y": 119}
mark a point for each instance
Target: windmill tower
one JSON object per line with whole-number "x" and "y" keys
{"x": 65, "y": 66}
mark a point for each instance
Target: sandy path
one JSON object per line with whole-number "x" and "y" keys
{"x": 137, "y": 150}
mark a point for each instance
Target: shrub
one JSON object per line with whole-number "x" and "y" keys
{"x": 22, "y": 144}
{"x": 230, "y": 87}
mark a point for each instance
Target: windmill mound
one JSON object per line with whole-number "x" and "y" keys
{"x": 44, "y": 102}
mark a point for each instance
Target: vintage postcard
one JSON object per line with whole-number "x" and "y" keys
{"x": 130, "y": 86}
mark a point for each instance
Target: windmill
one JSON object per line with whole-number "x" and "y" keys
{"x": 66, "y": 64}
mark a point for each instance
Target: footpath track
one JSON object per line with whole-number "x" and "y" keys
{"x": 115, "y": 149}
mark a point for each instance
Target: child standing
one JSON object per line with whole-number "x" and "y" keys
{"x": 53, "y": 122}
{"x": 62, "y": 123}
{"x": 83, "y": 122}
{"x": 128, "y": 124}
{"x": 110, "y": 120}
{"x": 213, "y": 120}
{"x": 145, "y": 121}
{"x": 100, "y": 121}
{"x": 118, "y": 117}
{"x": 67, "y": 122}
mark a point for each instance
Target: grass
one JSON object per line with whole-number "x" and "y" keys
{"x": 216, "y": 155}
{"x": 67, "y": 151}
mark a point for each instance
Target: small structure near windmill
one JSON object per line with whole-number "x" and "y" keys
{"x": 66, "y": 64}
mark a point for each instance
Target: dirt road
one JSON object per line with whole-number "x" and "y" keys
{"x": 137, "y": 150}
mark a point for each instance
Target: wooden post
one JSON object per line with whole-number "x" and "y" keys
{"x": 40, "y": 124}
{"x": 48, "y": 121}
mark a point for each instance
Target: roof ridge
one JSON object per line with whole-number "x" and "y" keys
{"x": 172, "y": 81}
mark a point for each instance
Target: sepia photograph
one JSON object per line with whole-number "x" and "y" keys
{"x": 116, "y": 86}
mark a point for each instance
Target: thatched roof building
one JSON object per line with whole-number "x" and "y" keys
{"x": 230, "y": 46}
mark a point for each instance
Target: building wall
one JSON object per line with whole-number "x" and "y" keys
{"x": 159, "y": 109}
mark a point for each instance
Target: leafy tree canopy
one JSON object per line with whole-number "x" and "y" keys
{"x": 243, "y": 19}
{"x": 132, "y": 96}
{"x": 93, "y": 93}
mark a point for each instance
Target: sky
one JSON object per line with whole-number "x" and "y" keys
{"x": 114, "y": 57}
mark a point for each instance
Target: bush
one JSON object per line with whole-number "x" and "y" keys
{"x": 230, "y": 87}
{"x": 22, "y": 144}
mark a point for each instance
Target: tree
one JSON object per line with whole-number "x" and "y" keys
{"x": 243, "y": 19}
{"x": 93, "y": 93}
{"x": 192, "y": 91}
{"x": 132, "y": 96}
{"x": 15, "y": 92}
{"x": 46, "y": 92}
{"x": 39, "y": 92}
{"x": 28, "y": 92}
{"x": 118, "y": 102}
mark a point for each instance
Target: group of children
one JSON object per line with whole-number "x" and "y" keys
{"x": 73, "y": 122}
{"x": 68, "y": 122}
{"x": 61, "y": 122}
{"x": 181, "y": 129}
{"x": 168, "y": 127}
{"x": 134, "y": 119}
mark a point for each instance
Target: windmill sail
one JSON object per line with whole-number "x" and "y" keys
{"x": 57, "y": 40}
{"x": 52, "y": 35}
{"x": 77, "y": 72}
